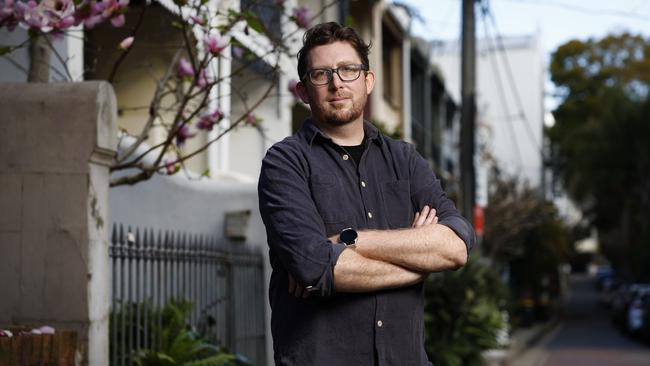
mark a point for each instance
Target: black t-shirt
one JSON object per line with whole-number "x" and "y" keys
{"x": 355, "y": 151}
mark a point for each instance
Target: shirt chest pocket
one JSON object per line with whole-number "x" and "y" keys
{"x": 326, "y": 191}
{"x": 396, "y": 197}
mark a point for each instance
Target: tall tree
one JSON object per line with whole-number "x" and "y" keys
{"x": 601, "y": 140}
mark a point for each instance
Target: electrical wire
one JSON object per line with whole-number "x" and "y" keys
{"x": 502, "y": 95}
{"x": 584, "y": 10}
{"x": 511, "y": 80}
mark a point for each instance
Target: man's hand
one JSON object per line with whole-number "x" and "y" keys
{"x": 296, "y": 290}
{"x": 425, "y": 217}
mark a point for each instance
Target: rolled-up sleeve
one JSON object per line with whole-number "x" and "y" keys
{"x": 426, "y": 190}
{"x": 295, "y": 230}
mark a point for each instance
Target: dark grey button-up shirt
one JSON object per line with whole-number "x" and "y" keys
{"x": 310, "y": 189}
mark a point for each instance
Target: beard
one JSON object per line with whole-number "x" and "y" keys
{"x": 342, "y": 116}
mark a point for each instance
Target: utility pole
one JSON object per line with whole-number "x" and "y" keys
{"x": 468, "y": 111}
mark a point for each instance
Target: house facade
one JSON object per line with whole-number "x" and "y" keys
{"x": 178, "y": 202}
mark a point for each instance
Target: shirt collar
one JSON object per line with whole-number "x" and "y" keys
{"x": 310, "y": 132}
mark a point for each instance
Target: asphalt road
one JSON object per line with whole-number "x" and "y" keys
{"x": 586, "y": 336}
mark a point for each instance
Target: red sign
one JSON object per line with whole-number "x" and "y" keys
{"x": 479, "y": 220}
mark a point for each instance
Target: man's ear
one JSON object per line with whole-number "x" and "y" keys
{"x": 301, "y": 89}
{"x": 370, "y": 81}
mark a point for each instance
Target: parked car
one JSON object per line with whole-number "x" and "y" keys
{"x": 604, "y": 274}
{"x": 609, "y": 290}
{"x": 636, "y": 318}
{"x": 627, "y": 307}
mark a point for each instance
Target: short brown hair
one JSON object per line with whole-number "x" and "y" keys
{"x": 326, "y": 33}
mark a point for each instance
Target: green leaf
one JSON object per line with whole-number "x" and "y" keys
{"x": 5, "y": 49}
{"x": 254, "y": 22}
{"x": 206, "y": 173}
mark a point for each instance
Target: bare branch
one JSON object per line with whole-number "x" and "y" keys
{"x": 153, "y": 108}
{"x": 119, "y": 61}
{"x": 64, "y": 64}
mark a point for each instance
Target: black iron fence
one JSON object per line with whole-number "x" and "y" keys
{"x": 223, "y": 281}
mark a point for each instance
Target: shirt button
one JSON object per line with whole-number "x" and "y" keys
{"x": 363, "y": 184}
{"x": 370, "y": 215}
{"x": 380, "y": 323}
{"x": 345, "y": 157}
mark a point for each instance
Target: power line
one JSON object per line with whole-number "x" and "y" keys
{"x": 511, "y": 80}
{"x": 584, "y": 10}
{"x": 501, "y": 90}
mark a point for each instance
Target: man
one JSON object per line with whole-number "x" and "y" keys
{"x": 355, "y": 222}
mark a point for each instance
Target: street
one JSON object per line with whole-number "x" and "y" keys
{"x": 586, "y": 336}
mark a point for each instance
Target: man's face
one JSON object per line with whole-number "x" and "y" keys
{"x": 338, "y": 102}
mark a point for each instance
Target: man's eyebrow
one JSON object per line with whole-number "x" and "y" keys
{"x": 342, "y": 63}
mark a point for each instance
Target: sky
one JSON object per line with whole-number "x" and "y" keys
{"x": 557, "y": 21}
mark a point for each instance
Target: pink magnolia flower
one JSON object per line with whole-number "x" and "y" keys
{"x": 202, "y": 81}
{"x": 252, "y": 119}
{"x": 92, "y": 21}
{"x": 6, "y": 9}
{"x": 126, "y": 43}
{"x": 57, "y": 15}
{"x": 185, "y": 68}
{"x": 183, "y": 134}
{"x": 171, "y": 167}
{"x": 302, "y": 16}
{"x": 215, "y": 43}
{"x": 292, "y": 87}
{"x": 8, "y": 15}
{"x": 64, "y": 23}
{"x": 118, "y": 21}
{"x": 208, "y": 120}
{"x": 197, "y": 20}
{"x": 31, "y": 15}
{"x": 58, "y": 8}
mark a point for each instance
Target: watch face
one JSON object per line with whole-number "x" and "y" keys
{"x": 348, "y": 236}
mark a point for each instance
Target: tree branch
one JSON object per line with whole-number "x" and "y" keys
{"x": 120, "y": 59}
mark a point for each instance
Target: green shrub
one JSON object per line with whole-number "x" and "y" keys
{"x": 464, "y": 314}
{"x": 172, "y": 340}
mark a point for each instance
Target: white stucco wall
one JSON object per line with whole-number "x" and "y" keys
{"x": 514, "y": 139}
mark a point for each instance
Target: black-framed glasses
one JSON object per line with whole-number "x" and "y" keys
{"x": 346, "y": 73}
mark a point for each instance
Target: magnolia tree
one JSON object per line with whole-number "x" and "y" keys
{"x": 190, "y": 78}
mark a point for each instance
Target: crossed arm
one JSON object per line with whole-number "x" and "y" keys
{"x": 386, "y": 259}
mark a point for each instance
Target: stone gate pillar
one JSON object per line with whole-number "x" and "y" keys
{"x": 56, "y": 143}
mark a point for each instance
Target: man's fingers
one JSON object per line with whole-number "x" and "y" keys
{"x": 415, "y": 220}
{"x": 423, "y": 216}
{"x": 296, "y": 290}
{"x": 301, "y": 292}
{"x": 430, "y": 216}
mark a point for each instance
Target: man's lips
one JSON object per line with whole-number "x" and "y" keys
{"x": 339, "y": 99}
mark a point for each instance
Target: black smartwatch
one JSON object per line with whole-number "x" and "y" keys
{"x": 349, "y": 236}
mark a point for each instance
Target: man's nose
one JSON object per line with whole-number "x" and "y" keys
{"x": 336, "y": 81}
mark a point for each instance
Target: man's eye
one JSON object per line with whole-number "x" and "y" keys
{"x": 318, "y": 74}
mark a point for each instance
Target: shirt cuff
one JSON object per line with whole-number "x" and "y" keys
{"x": 325, "y": 286}
{"x": 463, "y": 229}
